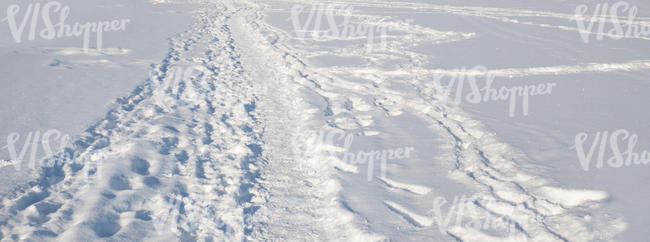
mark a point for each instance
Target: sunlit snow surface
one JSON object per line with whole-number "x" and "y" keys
{"x": 206, "y": 120}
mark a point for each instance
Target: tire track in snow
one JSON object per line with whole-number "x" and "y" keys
{"x": 631, "y": 66}
{"x": 505, "y": 15}
{"x": 482, "y": 161}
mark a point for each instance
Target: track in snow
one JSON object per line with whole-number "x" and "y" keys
{"x": 207, "y": 155}
{"x": 179, "y": 157}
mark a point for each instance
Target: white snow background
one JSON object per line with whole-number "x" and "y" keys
{"x": 213, "y": 120}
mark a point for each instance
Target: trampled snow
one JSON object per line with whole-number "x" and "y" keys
{"x": 288, "y": 120}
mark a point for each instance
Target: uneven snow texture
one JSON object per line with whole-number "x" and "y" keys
{"x": 226, "y": 154}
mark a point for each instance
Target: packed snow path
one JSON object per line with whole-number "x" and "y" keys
{"x": 206, "y": 150}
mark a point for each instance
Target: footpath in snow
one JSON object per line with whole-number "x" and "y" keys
{"x": 245, "y": 131}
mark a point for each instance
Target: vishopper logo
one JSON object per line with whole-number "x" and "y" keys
{"x": 453, "y": 91}
{"x": 606, "y": 19}
{"x": 335, "y": 147}
{"x": 336, "y": 21}
{"x": 166, "y": 219}
{"x": 37, "y": 13}
{"x": 181, "y": 81}
{"x": 34, "y": 143}
{"x": 471, "y": 212}
{"x": 313, "y": 146}
{"x": 602, "y": 140}
{"x": 94, "y": 161}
